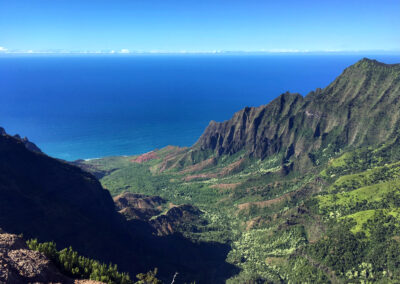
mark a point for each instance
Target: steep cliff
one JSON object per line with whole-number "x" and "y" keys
{"x": 359, "y": 108}
{"x": 48, "y": 199}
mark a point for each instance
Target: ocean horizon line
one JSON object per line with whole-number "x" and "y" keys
{"x": 6, "y": 52}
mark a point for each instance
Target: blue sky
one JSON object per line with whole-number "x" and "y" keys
{"x": 199, "y": 25}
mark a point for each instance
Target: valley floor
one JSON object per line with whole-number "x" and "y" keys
{"x": 338, "y": 222}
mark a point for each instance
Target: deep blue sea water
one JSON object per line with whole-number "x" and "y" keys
{"x": 93, "y": 106}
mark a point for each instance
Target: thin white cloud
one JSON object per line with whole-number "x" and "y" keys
{"x": 284, "y": 50}
{"x": 124, "y": 50}
{"x": 3, "y": 49}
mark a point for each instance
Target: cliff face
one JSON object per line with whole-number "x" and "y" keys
{"x": 51, "y": 200}
{"x": 149, "y": 208}
{"x": 360, "y": 107}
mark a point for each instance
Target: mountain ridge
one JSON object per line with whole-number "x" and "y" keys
{"x": 294, "y": 124}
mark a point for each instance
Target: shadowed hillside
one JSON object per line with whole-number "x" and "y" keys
{"x": 51, "y": 200}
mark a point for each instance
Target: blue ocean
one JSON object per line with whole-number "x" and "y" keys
{"x": 81, "y": 107}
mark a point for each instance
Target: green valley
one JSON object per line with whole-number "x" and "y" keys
{"x": 302, "y": 189}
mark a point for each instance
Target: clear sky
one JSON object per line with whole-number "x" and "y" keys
{"x": 199, "y": 25}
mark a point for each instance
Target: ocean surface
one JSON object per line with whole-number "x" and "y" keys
{"x": 80, "y": 107}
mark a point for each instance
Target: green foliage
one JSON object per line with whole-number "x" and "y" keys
{"x": 340, "y": 250}
{"x": 76, "y": 266}
{"x": 255, "y": 248}
{"x": 148, "y": 278}
{"x": 303, "y": 271}
{"x": 369, "y": 177}
{"x": 364, "y": 198}
{"x": 356, "y": 256}
{"x": 134, "y": 177}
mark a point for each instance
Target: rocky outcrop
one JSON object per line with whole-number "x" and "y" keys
{"x": 148, "y": 208}
{"x": 20, "y": 265}
{"x": 28, "y": 144}
{"x": 138, "y": 206}
{"x": 179, "y": 217}
{"x": 361, "y": 107}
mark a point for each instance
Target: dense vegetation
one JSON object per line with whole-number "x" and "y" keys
{"x": 76, "y": 266}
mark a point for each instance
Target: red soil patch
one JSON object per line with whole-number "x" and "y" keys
{"x": 236, "y": 166}
{"x": 252, "y": 223}
{"x": 145, "y": 157}
{"x": 171, "y": 160}
{"x": 266, "y": 203}
{"x": 172, "y": 205}
{"x": 199, "y": 176}
{"x": 223, "y": 172}
{"x": 199, "y": 166}
{"x": 225, "y": 185}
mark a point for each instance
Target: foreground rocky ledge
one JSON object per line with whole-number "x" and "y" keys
{"x": 19, "y": 264}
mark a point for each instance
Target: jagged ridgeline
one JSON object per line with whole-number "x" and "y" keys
{"x": 360, "y": 107}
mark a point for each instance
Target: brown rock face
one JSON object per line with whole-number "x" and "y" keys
{"x": 182, "y": 215}
{"x": 138, "y": 206}
{"x": 18, "y": 264}
{"x": 146, "y": 208}
{"x": 145, "y": 157}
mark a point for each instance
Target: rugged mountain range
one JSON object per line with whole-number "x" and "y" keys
{"x": 359, "y": 108}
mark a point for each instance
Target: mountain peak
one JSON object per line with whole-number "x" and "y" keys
{"x": 367, "y": 63}
{"x": 339, "y": 114}
{"x": 28, "y": 144}
{"x": 365, "y": 59}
